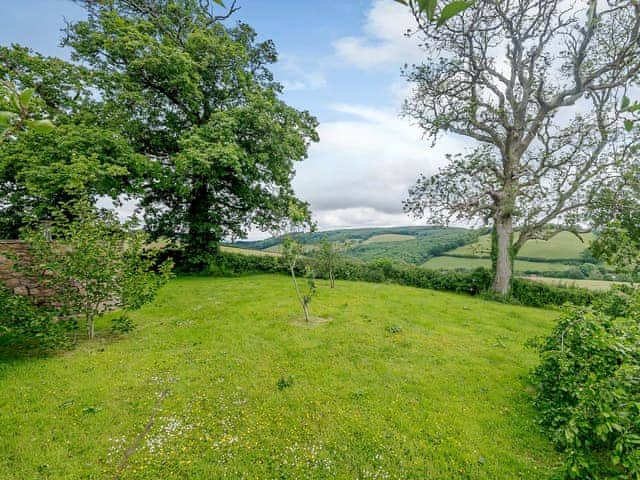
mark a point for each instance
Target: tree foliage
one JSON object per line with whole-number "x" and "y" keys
{"x": 41, "y": 170}
{"x": 537, "y": 85}
{"x": 589, "y": 391}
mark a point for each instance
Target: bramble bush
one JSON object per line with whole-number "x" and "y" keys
{"x": 588, "y": 389}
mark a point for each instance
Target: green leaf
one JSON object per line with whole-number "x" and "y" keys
{"x": 403, "y": 2}
{"x": 628, "y": 125}
{"x": 452, "y": 9}
{"x": 6, "y": 118}
{"x": 40, "y": 126}
{"x": 25, "y": 96}
{"x": 220, "y": 2}
{"x": 625, "y": 102}
{"x": 428, "y": 6}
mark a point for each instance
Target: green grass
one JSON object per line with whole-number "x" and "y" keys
{"x": 455, "y": 263}
{"x": 246, "y": 251}
{"x": 444, "y": 398}
{"x": 563, "y": 246}
{"x": 389, "y": 237}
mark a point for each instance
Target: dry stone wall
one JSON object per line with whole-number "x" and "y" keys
{"x": 15, "y": 281}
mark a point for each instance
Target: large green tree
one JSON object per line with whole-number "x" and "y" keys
{"x": 196, "y": 97}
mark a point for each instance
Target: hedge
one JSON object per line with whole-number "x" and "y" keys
{"x": 524, "y": 292}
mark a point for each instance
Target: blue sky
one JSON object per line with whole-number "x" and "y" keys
{"x": 339, "y": 60}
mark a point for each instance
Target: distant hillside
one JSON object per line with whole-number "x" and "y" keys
{"x": 563, "y": 247}
{"x": 439, "y": 248}
{"x": 413, "y": 245}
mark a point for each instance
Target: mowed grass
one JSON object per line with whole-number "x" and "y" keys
{"x": 252, "y": 392}
{"x": 564, "y": 245}
{"x": 388, "y": 237}
{"x": 459, "y": 263}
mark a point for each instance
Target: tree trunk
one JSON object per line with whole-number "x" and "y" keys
{"x": 503, "y": 255}
{"x": 202, "y": 241}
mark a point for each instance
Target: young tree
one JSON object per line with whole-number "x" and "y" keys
{"x": 292, "y": 253}
{"x": 537, "y": 84}
{"x": 298, "y": 219}
{"x": 196, "y": 97}
{"x": 94, "y": 264}
{"x": 328, "y": 255}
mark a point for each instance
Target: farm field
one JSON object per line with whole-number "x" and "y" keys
{"x": 245, "y": 251}
{"x": 565, "y": 245}
{"x": 389, "y": 237}
{"x": 566, "y": 282}
{"x": 456, "y": 263}
{"x": 228, "y": 382}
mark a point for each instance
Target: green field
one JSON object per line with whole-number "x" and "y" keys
{"x": 566, "y": 282}
{"x": 565, "y": 245}
{"x": 227, "y": 382}
{"x": 458, "y": 263}
{"x": 389, "y": 237}
{"x": 245, "y": 251}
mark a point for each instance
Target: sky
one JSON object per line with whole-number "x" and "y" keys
{"x": 342, "y": 62}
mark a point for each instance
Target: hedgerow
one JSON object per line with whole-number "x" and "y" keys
{"x": 475, "y": 282}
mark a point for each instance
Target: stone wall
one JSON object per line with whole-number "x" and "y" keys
{"x": 15, "y": 281}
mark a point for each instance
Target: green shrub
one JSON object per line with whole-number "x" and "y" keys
{"x": 536, "y": 294}
{"x": 25, "y": 326}
{"x": 588, "y": 393}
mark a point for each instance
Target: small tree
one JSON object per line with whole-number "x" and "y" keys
{"x": 328, "y": 255}
{"x": 292, "y": 253}
{"x": 94, "y": 264}
{"x": 298, "y": 219}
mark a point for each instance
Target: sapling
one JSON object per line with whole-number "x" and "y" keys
{"x": 327, "y": 255}
{"x": 292, "y": 253}
{"x": 94, "y": 264}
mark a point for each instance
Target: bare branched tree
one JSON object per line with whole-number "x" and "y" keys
{"x": 538, "y": 85}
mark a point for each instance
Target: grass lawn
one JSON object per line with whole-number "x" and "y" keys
{"x": 251, "y": 392}
{"x": 454, "y": 263}
{"x": 563, "y": 245}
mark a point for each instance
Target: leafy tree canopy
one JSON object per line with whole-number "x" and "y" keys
{"x": 197, "y": 98}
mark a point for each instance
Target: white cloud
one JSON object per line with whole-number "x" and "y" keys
{"x": 361, "y": 170}
{"x": 300, "y": 78}
{"x": 383, "y": 43}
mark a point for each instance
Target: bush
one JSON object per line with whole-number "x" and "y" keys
{"x": 25, "y": 326}
{"x": 588, "y": 393}
{"x": 536, "y": 294}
